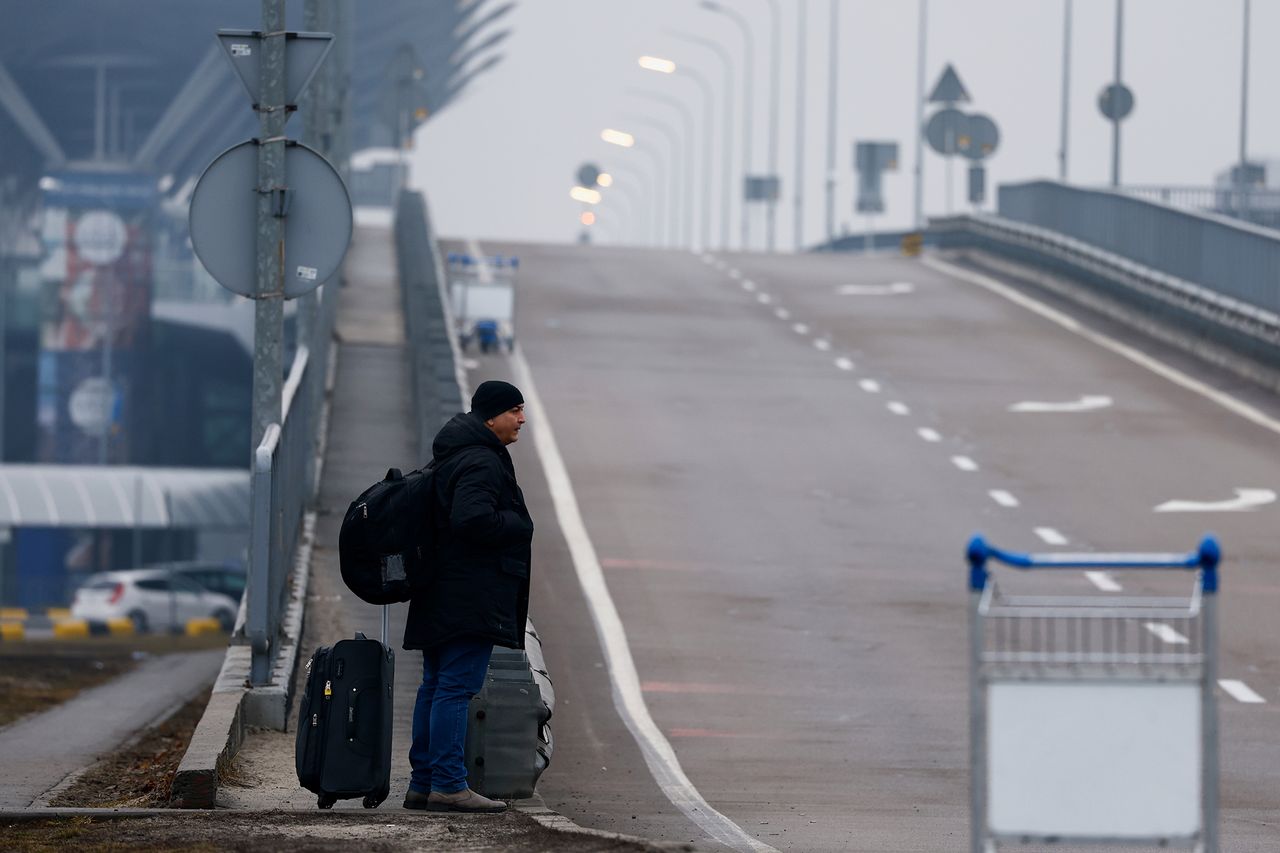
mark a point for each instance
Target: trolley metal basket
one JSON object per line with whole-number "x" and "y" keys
{"x": 1093, "y": 718}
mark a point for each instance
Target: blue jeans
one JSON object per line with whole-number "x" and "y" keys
{"x": 451, "y": 674}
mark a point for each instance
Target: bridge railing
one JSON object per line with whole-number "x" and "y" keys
{"x": 1232, "y": 258}
{"x": 1259, "y": 205}
{"x": 283, "y": 484}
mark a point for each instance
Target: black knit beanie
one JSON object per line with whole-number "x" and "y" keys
{"x": 494, "y": 397}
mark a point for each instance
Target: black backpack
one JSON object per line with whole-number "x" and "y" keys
{"x": 386, "y": 544}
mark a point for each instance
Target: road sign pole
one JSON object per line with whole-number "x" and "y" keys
{"x": 1115, "y": 121}
{"x": 919, "y": 199}
{"x": 1066, "y": 90}
{"x": 268, "y": 328}
{"x": 801, "y": 58}
{"x": 833, "y": 66}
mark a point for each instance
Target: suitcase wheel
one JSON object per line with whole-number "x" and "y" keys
{"x": 325, "y": 801}
{"x": 372, "y": 802}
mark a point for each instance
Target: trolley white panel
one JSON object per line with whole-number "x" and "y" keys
{"x": 1094, "y": 758}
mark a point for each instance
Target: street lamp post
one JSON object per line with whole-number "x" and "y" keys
{"x": 922, "y": 23}
{"x": 669, "y": 67}
{"x": 1244, "y": 94}
{"x": 673, "y": 175}
{"x": 625, "y": 140}
{"x": 686, "y": 119}
{"x": 833, "y": 67}
{"x": 748, "y": 52}
{"x": 636, "y": 179}
{"x": 771, "y": 208}
{"x": 1115, "y": 121}
{"x": 801, "y": 31}
{"x": 726, "y": 179}
{"x": 1066, "y": 89}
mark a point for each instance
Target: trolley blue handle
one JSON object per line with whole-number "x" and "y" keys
{"x": 1205, "y": 559}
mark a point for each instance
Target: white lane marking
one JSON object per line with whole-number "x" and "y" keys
{"x": 735, "y": 275}
{"x": 929, "y": 434}
{"x": 1136, "y": 356}
{"x": 721, "y": 265}
{"x": 898, "y": 408}
{"x": 964, "y": 463}
{"x": 748, "y": 285}
{"x": 895, "y": 289}
{"x": 782, "y": 314}
{"x": 1240, "y": 691}
{"x": 822, "y": 344}
{"x": 1003, "y": 498}
{"x": 1051, "y": 536}
{"x": 1086, "y": 403}
{"x": 1166, "y": 633}
{"x": 1103, "y": 581}
{"x": 628, "y": 698}
{"x": 764, "y": 299}
{"x": 844, "y": 363}
{"x": 708, "y": 259}
{"x": 1246, "y": 500}
{"x": 800, "y": 329}
{"x": 870, "y": 386}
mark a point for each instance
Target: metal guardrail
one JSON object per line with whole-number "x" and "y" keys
{"x": 1258, "y": 205}
{"x": 282, "y": 484}
{"x": 1230, "y": 258}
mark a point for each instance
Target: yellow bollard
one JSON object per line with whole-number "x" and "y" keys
{"x": 71, "y": 629}
{"x": 200, "y": 627}
{"x": 56, "y": 613}
{"x": 120, "y": 626}
{"x": 11, "y": 631}
{"x": 19, "y": 613}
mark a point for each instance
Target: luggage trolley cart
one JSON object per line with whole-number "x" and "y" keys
{"x": 1093, "y": 718}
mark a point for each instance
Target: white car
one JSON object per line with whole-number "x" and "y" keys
{"x": 153, "y": 599}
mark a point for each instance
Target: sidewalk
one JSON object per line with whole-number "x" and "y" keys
{"x": 43, "y": 750}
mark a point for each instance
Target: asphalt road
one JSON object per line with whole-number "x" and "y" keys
{"x": 779, "y": 460}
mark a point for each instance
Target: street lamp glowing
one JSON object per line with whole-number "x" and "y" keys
{"x": 654, "y": 63}
{"x": 604, "y": 180}
{"x": 587, "y": 218}
{"x": 584, "y": 195}
{"x": 617, "y": 137}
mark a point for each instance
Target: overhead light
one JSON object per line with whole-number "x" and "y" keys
{"x": 617, "y": 137}
{"x": 604, "y": 180}
{"x": 587, "y": 218}
{"x": 584, "y": 195}
{"x": 655, "y": 63}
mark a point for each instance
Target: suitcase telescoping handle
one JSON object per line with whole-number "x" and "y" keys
{"x": 386, "y": 610}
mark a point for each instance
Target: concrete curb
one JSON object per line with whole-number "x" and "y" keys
{"x": 234, "y": 706}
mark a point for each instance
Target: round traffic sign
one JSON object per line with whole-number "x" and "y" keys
{"x": 1116, "y": 101}
{"x": 224, "y": 215}
{"x": 980, "y": 139}
{"x": 944, "y": 129}
{"x": 100, "y": 237}
{"x": 92, "y": 406}
{"x": 588, "y": 174}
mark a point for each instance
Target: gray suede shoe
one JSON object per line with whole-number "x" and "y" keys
{"x": 465, "y": 800}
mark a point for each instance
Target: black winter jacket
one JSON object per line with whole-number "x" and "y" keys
{"x": 480, "y": 583}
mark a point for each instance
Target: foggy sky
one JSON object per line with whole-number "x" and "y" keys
{"x": 500, "y": 162}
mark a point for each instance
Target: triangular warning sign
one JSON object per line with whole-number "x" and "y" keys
{"x": 303, "y": 54}
{"x": 949, "y": 89}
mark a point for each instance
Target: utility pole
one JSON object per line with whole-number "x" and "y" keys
{"x": 833, "y": 65}
{"x": 801, "y": 29}
{"x": 1066, "y": 89}
{"x": 268, "y": 327}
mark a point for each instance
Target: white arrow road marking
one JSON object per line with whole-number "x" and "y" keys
{"x": 895, "y": 289}
{"x": 1166, "y": 633}
{"x": 929, "y": 434}
{"x": 1003, "y": 498}
{"x": 1051, "y": 536}
{"x": 1084, "y": 404}
{"x": 1240, "y": 691}
{"x": 1103, "y": 581}
{"x": 1245, "y": 500}
{"x": 844, "y": 363}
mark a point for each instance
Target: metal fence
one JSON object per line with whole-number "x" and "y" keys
{"x": 283, "y": 484}
{"x": 1232, "y": 258}
{"x": 437, "y": 377}
{"x": 1251, "y": 204}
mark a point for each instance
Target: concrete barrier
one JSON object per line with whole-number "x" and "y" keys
{"x": 71, "y": 629}
{"x": 10, "y": 631}
{"x": 18, "y": 613}
{"x": 200, "y": 627}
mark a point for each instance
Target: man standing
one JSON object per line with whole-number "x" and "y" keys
{"x": 478, "y": 595}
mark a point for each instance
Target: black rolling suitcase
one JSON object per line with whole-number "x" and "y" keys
{"x": 344, "y": 722}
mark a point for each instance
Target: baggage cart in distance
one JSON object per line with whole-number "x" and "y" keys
{"x": 482, "y": 296}
{"x": 1093, "y": 719}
